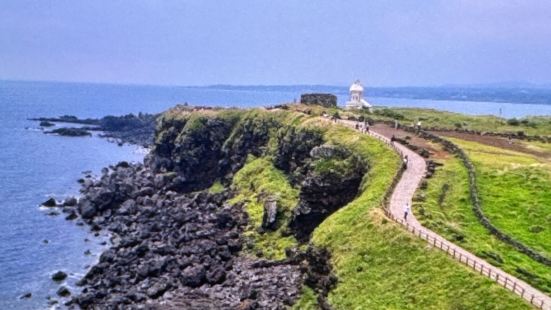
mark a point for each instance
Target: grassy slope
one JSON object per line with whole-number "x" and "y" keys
{"x": 516, "y": 193}
{"x": 307, "y": 301}
{"x": 257, "y": 180}
{"x": 379, "y": 265}
{"x": 429, "y": 117}
{"x": 451, "y": 215}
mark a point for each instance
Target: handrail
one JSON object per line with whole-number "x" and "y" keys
{"x": 495, "y": 274}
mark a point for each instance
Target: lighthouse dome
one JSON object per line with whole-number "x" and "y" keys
{"x": 356, "y": 87}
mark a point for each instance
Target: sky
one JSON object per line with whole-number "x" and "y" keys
{"x": 284, "y": 42}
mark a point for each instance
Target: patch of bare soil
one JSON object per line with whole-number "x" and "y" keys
{"x": 504, "y": 143}
{"x": 435, "y": 150}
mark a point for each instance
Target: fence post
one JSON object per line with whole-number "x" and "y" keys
{"x": 522, "y": 293}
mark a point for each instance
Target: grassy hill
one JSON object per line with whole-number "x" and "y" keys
{"x": 515, "y": 196}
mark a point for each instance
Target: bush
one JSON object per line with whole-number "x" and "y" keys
{"x": 390, "y": 113}
{"x": 513, "y": 122}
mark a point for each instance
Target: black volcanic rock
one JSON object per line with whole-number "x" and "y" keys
{"x": 63, "y": 292}
{"x": 135, "y": 129}
{"x": 192, "y": 149}
{"x": 59, "y": 276}
{"x": 332, "y": 180}
{"x": 176, "y": 245}
{"x": 46, "y": 124}
{"x": 186, "y": 246}
{"x": 293, "y": 150}
{"x": 70, "y": 132}
{"x": 51, "y": 202}
{"x": 70, "y": 202}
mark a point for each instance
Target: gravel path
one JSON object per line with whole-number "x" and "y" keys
{"x": 404, "y": 191}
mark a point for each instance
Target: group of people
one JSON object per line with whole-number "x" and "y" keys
{"x": 363, "y": 127}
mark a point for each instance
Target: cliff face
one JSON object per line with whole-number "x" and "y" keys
{"x": 332, "y": 180}
{"x": 191, "y": 146}
{"x": 205, "y": 146}
{"x": 177, "y": 242}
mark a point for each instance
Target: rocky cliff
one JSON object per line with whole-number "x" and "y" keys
{"x": 179, "y": 243}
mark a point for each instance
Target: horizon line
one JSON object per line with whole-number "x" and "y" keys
{"x": 502, "y": 85}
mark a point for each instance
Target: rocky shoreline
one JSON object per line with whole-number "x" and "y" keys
{"x": 175, "y": 244}
{"x": 180, "y": 250}
{"x": 132, "y": 129}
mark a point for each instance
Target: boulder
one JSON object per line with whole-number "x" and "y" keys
{"x": 63, "y": 292}
{"x": 86, "y": 209}
{"x": 51, "y": 202}
{"x": 26, "y": 295}
{"x": 59, "y": 276}
{"x": 193, "y": 276}
{"x": 70, "y": 202}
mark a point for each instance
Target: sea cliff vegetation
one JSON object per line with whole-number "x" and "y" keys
{"x": 294, "y": 197}
{"x": 377, "y": 264}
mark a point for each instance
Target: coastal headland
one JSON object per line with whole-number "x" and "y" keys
{"x": 281, "y": 207}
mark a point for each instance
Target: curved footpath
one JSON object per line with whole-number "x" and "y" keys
{"x": 404, "y": 191}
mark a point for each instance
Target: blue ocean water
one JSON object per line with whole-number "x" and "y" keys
{"x": 34, "y": 166}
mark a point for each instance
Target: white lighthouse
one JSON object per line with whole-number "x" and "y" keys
{"x": 356, "y": 100}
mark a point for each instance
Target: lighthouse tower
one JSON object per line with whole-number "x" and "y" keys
{"x": 356, "y": 100}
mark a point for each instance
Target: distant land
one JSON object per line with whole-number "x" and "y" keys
{"x": 500, "y": 92}
{"x": 509, "y": 92}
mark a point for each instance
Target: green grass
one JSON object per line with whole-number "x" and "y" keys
{"x": 380, "y": 266}
{"x": 254, "y": 183}
{"x": 216, "y": 188}
{"x": 532, "y": 125}
{"x": 515, "y": 189}
{"x": 449, "y": 212}
{"x": 307, "y": 301}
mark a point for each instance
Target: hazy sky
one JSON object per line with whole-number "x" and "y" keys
{"x": 200, "y": 42}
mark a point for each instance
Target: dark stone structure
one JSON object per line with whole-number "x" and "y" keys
{"x": 325, "y": 100}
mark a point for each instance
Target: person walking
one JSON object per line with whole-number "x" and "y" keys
{"x": 406, "y": 159}
{"x": 406, "y": 211}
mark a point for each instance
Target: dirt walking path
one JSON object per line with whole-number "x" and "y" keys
{"x": 404, "y": 191}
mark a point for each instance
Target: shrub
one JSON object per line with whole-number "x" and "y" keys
{"x": 513, "y": 122}
{"x": 390, "y": 113}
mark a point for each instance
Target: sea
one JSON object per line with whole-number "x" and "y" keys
{"x": 35, "y": 166}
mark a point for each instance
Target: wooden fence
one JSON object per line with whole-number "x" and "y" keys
{"x": 502, "y": 278}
